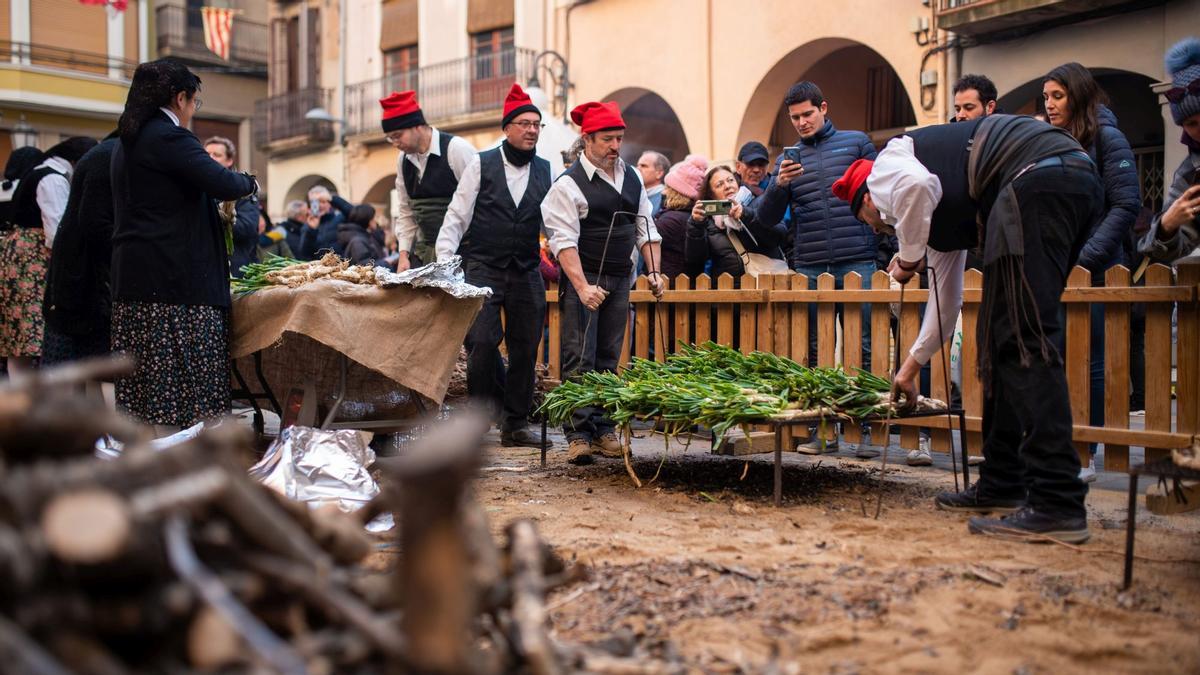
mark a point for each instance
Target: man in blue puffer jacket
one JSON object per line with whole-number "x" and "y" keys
{"x": 827, "y": 237}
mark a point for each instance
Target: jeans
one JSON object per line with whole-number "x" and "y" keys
{"x": 1027, "y": 410}
{"x": 865, "y": 269}
{"x": 591, "y": 341}
{"x": 523, "y": 298}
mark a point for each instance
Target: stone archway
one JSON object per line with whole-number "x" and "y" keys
{"x": 651, "y": 125}
{"x": 862, "y": 88}
{"x": 299, "y": 189}
{"x": 380, "y": 196}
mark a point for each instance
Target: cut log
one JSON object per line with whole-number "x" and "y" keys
{"x": 212, "y": 643}
{"x": 87, "y": 527}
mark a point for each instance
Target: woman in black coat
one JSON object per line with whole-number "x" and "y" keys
{"x": 170, "y": 261}
{"x": 356, "y": 238}
{"x": 712, "y": 237}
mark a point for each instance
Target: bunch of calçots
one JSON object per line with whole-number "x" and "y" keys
{"x": 718, "y": 387}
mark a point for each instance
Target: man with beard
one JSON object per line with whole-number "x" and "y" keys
{"x": 596, "y": 213}
{"x": 427, "y": 173}
{"x": 493, "y": 222}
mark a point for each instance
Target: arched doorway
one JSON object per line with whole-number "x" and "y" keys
{"x": 651, "y": 125}
{"x": 1139, "y": 117}
{"x": 380, "y": 196}
{"x": 299, "y": 189}
{"x": 864, "y": 93}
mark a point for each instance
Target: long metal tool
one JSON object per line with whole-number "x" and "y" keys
{"x": 933, "y": 289}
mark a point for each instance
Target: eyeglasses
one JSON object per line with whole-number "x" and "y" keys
{"x": 1176, "y": 94}
{"x": 196, "y": 100}
{"x": 526, "y": 125}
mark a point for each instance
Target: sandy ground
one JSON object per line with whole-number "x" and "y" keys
{"x": 700, "y": 569}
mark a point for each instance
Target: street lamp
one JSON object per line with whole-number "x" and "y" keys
{"x": 556, "y": 68}
{"x": 24, "y": 135}
{"x": 322, "y": 115}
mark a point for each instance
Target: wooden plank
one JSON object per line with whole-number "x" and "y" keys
{"x": 730, "y": 294}
{"x": 799, "y": 323}
{"x": 725, "y": 313}
{"x": 826, "y": 328}
{"x": 746, "y": 319}
{"x": 881, "y": 347}
{"x": 1188, "y": 358}
{"x": 1116, "y": 369}
{"x": 765, "y": 317}
{"x": 1079, "y": 323}
{"x": 683, "y": 316}
{"x": 852, "y": 331}
{"x": 554, "y": 308}
{"x": 910, "y": 326}
{"x": 641, "y": 347}
{"x": 703, "y": 314}
{"x": 781, "y": 334}
{"x": 971, "y": 387}
{"x": 1158, "y": 360}
{"x": 660, "y": 325}
{"x": 1076, "y": 295}
{"x": 1082, "y": 433}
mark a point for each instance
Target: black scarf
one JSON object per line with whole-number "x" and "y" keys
{"x": 515, "y": 156}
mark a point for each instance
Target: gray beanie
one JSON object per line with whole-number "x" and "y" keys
{"x": 1183, "y": 66}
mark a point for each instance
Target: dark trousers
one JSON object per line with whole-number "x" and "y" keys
{"x": 523, "y": 298}
{"x": 591, "y": 341}
{"x": 1027, "y": 410}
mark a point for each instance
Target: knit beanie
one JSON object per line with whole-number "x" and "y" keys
{"x": 1183, "y": 66}
{"x": 687, "y": 177}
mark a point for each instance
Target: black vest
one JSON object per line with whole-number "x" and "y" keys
{"x": 503, "y": 233}
{"x": 26, "y": 212}
{"x": 944, "y": 150}
{"x": 603, "y": 201}
{"x": 438, "y": 180}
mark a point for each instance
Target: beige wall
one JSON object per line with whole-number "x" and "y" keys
{"x": 442, "y": 30}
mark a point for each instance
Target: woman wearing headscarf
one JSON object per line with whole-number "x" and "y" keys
{"x": 170, "y": 264}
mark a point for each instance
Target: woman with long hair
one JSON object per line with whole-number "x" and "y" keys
{"x": 170, "y": 263}
{"x": 1074, "y": 101}
{"x": 728, "y": 240}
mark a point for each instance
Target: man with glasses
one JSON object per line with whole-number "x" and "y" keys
{"x": 493, "y": 222}
{"x": 427, "y": 173}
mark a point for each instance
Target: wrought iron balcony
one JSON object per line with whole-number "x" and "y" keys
{"x": 181, "y": 34}
{"x": 446, "y": 91}
{"x": 279, "y": 120}
{"x": 992, "y": 17}
{"x": 66, "y": 59}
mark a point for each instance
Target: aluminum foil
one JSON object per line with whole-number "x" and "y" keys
{"x": 108, "y": 447}
{"x": 321, "y": 467}
{"x": 446, "y": 275}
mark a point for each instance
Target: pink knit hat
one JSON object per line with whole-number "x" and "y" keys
{"x": 687, "y": 177}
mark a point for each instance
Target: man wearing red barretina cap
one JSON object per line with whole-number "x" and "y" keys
{"x": 494, "y": 222}
{"x": 596, "y": 213}
{"x": 427, "y": 173}
{"x": 1026, "y": 195}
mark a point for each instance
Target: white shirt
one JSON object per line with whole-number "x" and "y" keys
{"x": 462, "y": 206}
{"x": 459, "y": 154}
{"x": 52, "y": 194}
{"x": 564, "y": 206}
{"x": 170, "y": 113}
{"x": 906, "y": 194}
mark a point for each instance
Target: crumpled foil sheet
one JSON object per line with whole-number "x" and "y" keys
{"x": 110, "y": 448}
{"x": 321, "y": 467}
{"x": 446, "y": 275}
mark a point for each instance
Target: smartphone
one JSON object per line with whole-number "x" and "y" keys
{"x": 792, "y": 154}
{"x": 716, "y": 207}
{"x": 314, "y": 207}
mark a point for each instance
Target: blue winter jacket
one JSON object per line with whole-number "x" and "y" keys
{"x": 1106, "y": 243}
{"x": 824, "y": 230}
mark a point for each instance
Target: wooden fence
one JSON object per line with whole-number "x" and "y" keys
{"x": 772, "y": 314}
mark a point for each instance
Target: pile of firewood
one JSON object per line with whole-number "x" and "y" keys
{"x": 174, "y": 560}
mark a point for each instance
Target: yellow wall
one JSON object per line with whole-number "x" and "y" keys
{"x": 69, "y": 24}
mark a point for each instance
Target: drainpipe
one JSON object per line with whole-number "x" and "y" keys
{"x": 342, "y": 96}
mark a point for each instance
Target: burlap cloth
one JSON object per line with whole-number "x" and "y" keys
{"x": 404, "y": 335}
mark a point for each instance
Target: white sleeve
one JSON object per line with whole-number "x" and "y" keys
{"x": 459, "y": 154}
{"x": 562, "y": 209}
{"x": 649, "y": 233}
{"x": 914, "y": 200}
{"x": 460, "y": 211}
{"x": 403, "y": 224}
{"x": 52, "y": 194}
{"x": 947, "y": 274}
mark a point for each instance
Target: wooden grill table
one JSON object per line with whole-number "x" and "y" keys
{"x": 352, "y": 341}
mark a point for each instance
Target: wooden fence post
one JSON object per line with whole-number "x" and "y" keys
{"x": 881, "y": 346}
{"x": 683, "y": 316}
{"x": 971, "y": 387}
{"x": 703, "y": 312}
{"x": 725, "y": 313}
{"x": 1158, "y": 360}
{"x": 800, "y": 322}
{"x": 747, "y": 315}
{"x": 1116, "y": 368}
{"x": 852, "y": 332}
{"x": 910, "y": 326}
{"x": 1188, "y": 345}
{"x": 1078, "y": 356}
{"x": 554, "y": 308}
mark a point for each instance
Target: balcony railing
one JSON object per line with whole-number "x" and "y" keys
{"x": 281, "y": 118}
{"x": 181, "y": 34}
{"x": 66, "y": 59}
{"x": 984, "y": 17}
{"x": 445, "y": 90}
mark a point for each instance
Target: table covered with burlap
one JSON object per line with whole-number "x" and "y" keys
{"x": 393, "y": 336}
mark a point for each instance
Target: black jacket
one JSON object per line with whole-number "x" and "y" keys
{"x": 705, "y": 240}
{"x": 168, "y": 241}
{"x": 360, "y": 246}
{"x": 301, "y": 239}
{"x": 327, "y": 231}
{"x": 1122, "y": 197}
{"x": 78, "y": 300}
{"x": 245, "y": 235}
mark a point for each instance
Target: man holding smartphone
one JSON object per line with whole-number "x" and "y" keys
{"x": 826, "y": 237}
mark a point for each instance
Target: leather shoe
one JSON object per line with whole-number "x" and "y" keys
{"x": 520, "y": 438}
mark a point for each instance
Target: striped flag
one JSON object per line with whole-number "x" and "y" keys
{"x": 218, "y": 29}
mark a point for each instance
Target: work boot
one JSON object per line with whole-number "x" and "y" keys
{"x": 609, "y": 445}
{"x": 520, "y": 438}
{"x": 1030, "y": 525}
{"x": 971, "y": 500}
{"x": 579, "y": 451}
